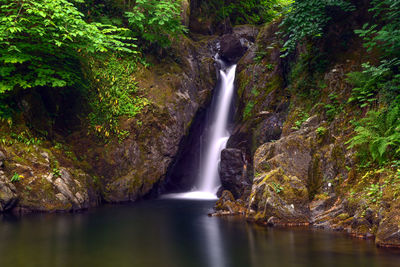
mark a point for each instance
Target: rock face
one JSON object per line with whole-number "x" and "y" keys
{"x": 264, "y": 119}
{"x": 42, "y": 184}
{"x": 300, "y": 167}
{"x": 227, "y": 205}
{"x": 279, "y": 199}
{"x": 178, "y": 86}
{"x": 388, "y": 234}
{"x": 177, "y": 90}
{"x": 232, "y": 48}
{"x": 233, "y": 170}
{"x": 280, "y": 187}
{"x": 8, "y": 198}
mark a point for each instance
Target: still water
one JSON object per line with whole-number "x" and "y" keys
{"x": 174, "y": 233}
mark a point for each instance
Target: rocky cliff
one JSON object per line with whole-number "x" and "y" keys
{"x": 287, "y": 162}
{"x": 76, "y": 171}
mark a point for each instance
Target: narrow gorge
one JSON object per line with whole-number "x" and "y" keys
{"x": 199, "y": 133}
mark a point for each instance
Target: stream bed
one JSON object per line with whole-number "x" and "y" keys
{"x": 174, "y": 233}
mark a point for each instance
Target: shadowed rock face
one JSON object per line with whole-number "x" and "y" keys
{"x": 233, "y": 171}
{"x": 140, "y": 164}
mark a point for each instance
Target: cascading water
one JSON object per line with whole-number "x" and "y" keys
{"x": 208, "y": 180}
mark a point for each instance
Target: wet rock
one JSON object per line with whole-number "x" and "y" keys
{"x": 248, "y": 32}
{"x": 8, "y": 198}
{"x": 232, "y": 48}
{"x": 388, "y": 234}
{"x": 226, "y": 205}
{"x": 71, "y": 190}
{"x": 233, "y": 172}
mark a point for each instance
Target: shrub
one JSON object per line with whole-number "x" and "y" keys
{"x": 307, "y": 19}
{"x": 113, "y": 94}
{"x": 40, "y": 42}
{"x": 156, "y": 21}
{"x": 379, "y": 131}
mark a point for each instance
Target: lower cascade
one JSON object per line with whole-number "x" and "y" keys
{"x": 216, "y": 138}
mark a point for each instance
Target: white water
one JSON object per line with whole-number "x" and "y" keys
{"x": 218, "y": 135}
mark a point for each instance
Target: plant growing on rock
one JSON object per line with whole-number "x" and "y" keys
{"x": 16, "y": 178}
{"x": 321, "y": 131}
{"x": 114, "y": 94}
{"x": 379, "y": 131}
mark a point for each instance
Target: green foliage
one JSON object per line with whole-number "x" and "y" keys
{"x": 56, "y": 172}
{"x": 23, "y": 137}
{"x": 113, "y": 94}
{"x": 379, "y": 131}
{"x": 16, "y": 178}
{"x": 307, "y": 20}
{"x": 374, "y": 193}
{"x": 277, "y": 187}
{"x": 385, "y": 35}
{"x": 306, "y": 74}
{"x": 156, "y": 21}
{"x": 244, "y": 12}
{"x": 302, "y": 117}
{"x": 247, "y": 110}
{"x": 40, "y": 43}
{"x": 333, "y": 108}
{"x": 249, "y": 12}
{"x": 321, "y": 131}
{"x": 373, "y": 81}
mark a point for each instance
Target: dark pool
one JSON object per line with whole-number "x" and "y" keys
{"x": 174, "y": 233}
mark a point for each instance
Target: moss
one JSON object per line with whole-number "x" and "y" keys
{"x": 314, "y": 181}
{"x": 248, "y": 110}
{"x": 321, "y": 196}
{"x": 343, "y": 216}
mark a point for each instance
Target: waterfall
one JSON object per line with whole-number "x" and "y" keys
{"x": 208, "y": 180}
{"x": 215, "y": 140}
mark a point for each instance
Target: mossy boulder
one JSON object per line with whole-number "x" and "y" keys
{"x": 227, "y": 205}
{"x": 279, "y": 199}
{"x": 34, "y": 179}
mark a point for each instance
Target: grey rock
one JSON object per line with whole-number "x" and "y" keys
{"x": 8, "y": 198}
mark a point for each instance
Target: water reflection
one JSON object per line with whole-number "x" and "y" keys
{"x": 213, "y": 243}
{"x": 174, "y": 233}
